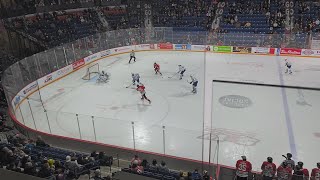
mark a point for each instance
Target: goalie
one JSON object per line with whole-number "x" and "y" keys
{"x": 103, "y": 77}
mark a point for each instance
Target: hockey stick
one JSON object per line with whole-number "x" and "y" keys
{"x": 173, "y": 75}
{"x": 285, "y": 157}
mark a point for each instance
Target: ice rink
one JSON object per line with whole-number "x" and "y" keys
{"x": 251, "y": 120}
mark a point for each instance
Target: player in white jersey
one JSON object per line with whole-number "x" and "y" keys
{"x": 194, "y": 82}
{"x": 132, "y": 56}
{"x": 135, "y": 78}
{"x": 288, "y": 67}
{"x": 103, "y": 77}
{"x": 181, "y": 71}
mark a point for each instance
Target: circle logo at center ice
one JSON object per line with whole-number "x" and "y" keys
{"x": 235, "y": 101}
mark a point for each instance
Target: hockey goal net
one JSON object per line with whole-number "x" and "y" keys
{"x": 92, "y": 70}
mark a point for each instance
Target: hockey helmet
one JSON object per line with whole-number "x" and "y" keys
{"x": 270, "y": 159}
{"x": 289, "y": 155}
{"x": 284, "y": 163}
{"x": 300, "y": 164}
{"x": 102, "y": 72}
{"x": 318, "y": 164}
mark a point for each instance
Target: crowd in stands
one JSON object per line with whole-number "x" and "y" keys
{"x": 188, "y": 13}
{"x": 161, "y": 171}
{"x": 59, "y": 27}
{"x": 36, "y": 158}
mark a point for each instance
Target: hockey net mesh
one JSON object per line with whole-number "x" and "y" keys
{"x": 91, "y": 70}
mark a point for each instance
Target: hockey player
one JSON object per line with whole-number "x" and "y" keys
{"x": 141, "y": 89}
{"x": 103, "y": 77}
{"x": 157, "y": 68}
{"x": 315, "y": 173}
{"x": 284, "y": 171}
{"x": 243, "y": 168}
{"x": 300, "y": 172}
{"x": 194, "y": 83}
{"x": 181, "y": 71}
{"x": 268, "y": 169}
{"x": 132, "y": 56}
{"x": 288, "y": 67}
{"x": 135, "y": 78}
{"x": 289, "y": 161}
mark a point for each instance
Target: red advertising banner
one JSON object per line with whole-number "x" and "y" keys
{"x": 290, "y": 51}
{"x": 272, "y": 50}
{"x": 78, "y": 64}
{"x": 165, "y": 46}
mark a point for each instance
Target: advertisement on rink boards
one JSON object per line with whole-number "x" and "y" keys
{"x": 222, "y": 49}
{"x": 165, "y": 46}
{"x": 24, "y": 93}
{"x": 201, "y": 48}
{"x": 290, "y": 51}
{"x": 241, "y": 49}
{"x": 182, "y": 46}
{"x": 78, "y": 64}
{"x": 55, "y": 75}
{"x": 260, "y": 50}
{"x": 105, "y": 53}
{"x": 310, "y": 52}
{"x": 92, "y": 57}
{"x": 122, "y": 49}
{"x": 144, "y": 47}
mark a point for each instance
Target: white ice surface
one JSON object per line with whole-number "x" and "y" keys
{"x": 115, "y": 107}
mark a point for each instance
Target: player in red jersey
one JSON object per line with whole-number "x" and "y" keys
{"x": 157, "y": 68}
{"x": 300, "y": 172}
{"x": 243, "y": 168}
{"x": 141, "y": 89}
{"x": 284, "y": 171}
{"x": 269, "y": 169}
{"x": 315, "y": 173}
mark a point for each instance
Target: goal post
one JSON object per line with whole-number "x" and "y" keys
{"x": 91, "y": 71}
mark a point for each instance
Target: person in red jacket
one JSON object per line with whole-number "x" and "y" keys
{"x": 157, "y": 68}
{"x": 315, "y": 173}
{"x": 269, "y": 169}
{"x": 284, "y": 171}
{"x": 243, "y": 168}
{"x": 141, "y": 89}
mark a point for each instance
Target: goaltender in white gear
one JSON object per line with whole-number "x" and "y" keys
{"x": 135, "y": 78}
{"x": 194, "y": 83}
{"x": 288, "y": 67}
{"x": 103, "y": 77}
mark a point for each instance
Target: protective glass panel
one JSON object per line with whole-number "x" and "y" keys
{"x": 248, "y": 119}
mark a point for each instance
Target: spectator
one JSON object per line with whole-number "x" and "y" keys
{"x": 205, "y": 175}
{"x": 243, "y": 168}
{"x": 30, "y": 169}
{"x": 71, "y": 166}
{"x": 97, "y": 175}
{"x": 315, "y": 173}
{"x": 144, "y": 163}
{"x": 137, "y": 168}
{"x": 300, "y": 172}
{"x": 45, "y": 171}
{"x": 154, "y": 165}
{"x": 40, "y": 142}
{"x": 135, "y": 160}
{"x": 268, "y": 169}
{"x": 196, "y": 175}
{"x": 163, "y": 168}
{"x": 284, "y": 172}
